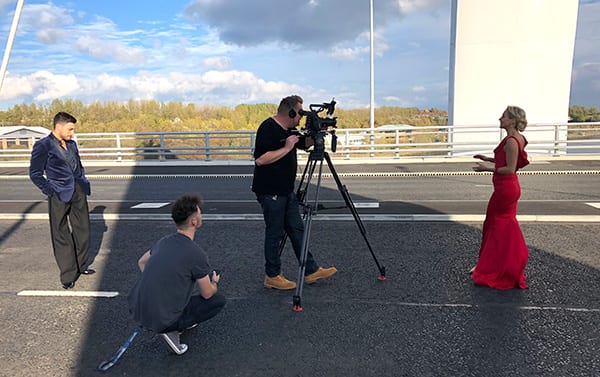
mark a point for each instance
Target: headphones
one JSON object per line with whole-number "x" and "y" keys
{"x": 292, "y": 113}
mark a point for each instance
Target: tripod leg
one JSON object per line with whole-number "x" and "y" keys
{"x": 348, "y": 200}
{"x": 309, "y": 211}
{"x": 106, "y": 365}
{"x": 297, "y": 299}
{"x": 300, "y": 194}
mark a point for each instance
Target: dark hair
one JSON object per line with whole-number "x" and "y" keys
{"x": 288, "y": 103}
{"x": 62, "y": 117}
{"x": 185, "y": 206}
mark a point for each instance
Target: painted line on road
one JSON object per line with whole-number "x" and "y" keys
{"x": 325, "y": 175}
{"x": 65, "y": 293}
{"x": 549, "y": 308}
{"x": 595, "y": 205}
{"x": 465, "y": 218}
{"x": 111, "y": 294}
{"x": 150, "y": 205}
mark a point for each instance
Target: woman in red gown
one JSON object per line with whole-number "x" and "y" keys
{"x": 503, "y": 254}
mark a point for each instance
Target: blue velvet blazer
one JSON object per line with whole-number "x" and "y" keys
{"x": 50, "y": 170}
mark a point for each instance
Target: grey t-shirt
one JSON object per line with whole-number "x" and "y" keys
{"x": 169, "y": 279}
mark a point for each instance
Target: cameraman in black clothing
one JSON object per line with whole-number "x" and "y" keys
{"x": 273, "y": 183}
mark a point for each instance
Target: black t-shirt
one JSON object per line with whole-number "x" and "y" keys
{"x": 169, "y": 280}
{"x": 279, "y": 177}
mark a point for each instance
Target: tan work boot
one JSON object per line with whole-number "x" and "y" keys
{"x": 321, "y": 273}
{"x": 279, "y": 282}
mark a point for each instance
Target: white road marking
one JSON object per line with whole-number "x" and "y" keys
{"x": 551, "y": 308}
{"x": 417, "y": 304}
{"x": 595, "y": 205}
{"x": 366, "y": 205}
{"x": 149, "y": 205}
{"x": 324, "y": 175}
{"x": 466, "y": 218}
{"x": 68, "y": 293}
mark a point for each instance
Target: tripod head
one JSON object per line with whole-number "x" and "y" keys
{"x": 318, "y": 127}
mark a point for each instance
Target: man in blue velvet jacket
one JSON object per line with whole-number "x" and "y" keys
{"x": 56, "y": 169}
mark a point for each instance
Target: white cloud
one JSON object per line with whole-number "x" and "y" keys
{"x": 41, "y": 86}
{"x": 349, "y": 52}
{"x": 411, "y": 6}
{"x": 51, "y": 36}
{"x": 100, "y": 48}
{"x": 217, "y": 62}
{"x": 39, "y": 17}
{"x": 363, "y": 48}
{"x": 222, "y": 87}
{"x": 418, "y": 88}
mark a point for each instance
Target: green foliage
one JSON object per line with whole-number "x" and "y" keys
{"x": 584, "y": 114}
{"x": 154, "y": 116}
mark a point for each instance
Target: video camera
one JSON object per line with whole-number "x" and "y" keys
{"x": 317, "y": 126}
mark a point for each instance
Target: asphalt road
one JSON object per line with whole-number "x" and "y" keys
{"x": 566, "y": 188}
{"x": 426, "y": 319}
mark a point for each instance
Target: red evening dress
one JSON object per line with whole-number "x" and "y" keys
{"x": 503, "y": 254}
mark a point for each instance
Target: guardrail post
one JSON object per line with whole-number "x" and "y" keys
{"x": 346, "y": 144}
{"x": 118, "y": 140}
{"x": 450, "y": 140}
{"x": 556, "y": 140}
{"x": 207, "y": 145}
{"x": 161, "y": 151}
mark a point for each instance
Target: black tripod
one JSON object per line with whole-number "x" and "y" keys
{"x": 316, "y": 156}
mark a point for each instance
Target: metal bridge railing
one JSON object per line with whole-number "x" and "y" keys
{"x": 573, "y": 139}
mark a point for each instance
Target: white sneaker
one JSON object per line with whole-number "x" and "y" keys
{"x": 172, "y": 340}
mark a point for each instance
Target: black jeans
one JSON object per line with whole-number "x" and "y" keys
{"x": 281, "y": 214}
{"x": 198, "y": 310}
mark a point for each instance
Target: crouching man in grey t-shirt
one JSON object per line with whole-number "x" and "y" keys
{"x": 177, "y": 288}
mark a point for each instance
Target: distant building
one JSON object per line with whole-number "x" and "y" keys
{"x": 402, "y": 131}
{"x": 21, "y": 136}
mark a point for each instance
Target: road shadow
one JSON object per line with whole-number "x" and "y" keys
{"x": 17, "y": 224}
{"x": 98, "y": 229}
{"x": 427, "y": 318}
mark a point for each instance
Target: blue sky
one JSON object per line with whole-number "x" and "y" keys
{"x": 228, "y": 52}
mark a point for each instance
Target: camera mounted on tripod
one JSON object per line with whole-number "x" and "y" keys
{"x": 317, "y": 127}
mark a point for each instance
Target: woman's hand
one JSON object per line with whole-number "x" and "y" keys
{"x": 482, "y": 167}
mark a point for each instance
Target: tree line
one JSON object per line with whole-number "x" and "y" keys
{"x": 584, "y": 114}
{"x": 154, "y": 116}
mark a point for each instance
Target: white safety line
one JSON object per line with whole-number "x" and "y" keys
{"x": 68, "y": 293}
{"x": 150, "y": 205}
{"x": 109, "y": 294}
{"x": 325, "y": 175}
{"x": 520, "y": 307}
{"x": 454, "y": 305}
{"x": 205, "y": 201}
{"x": 366, "y": 204}
{"x": 465, "y": 218}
